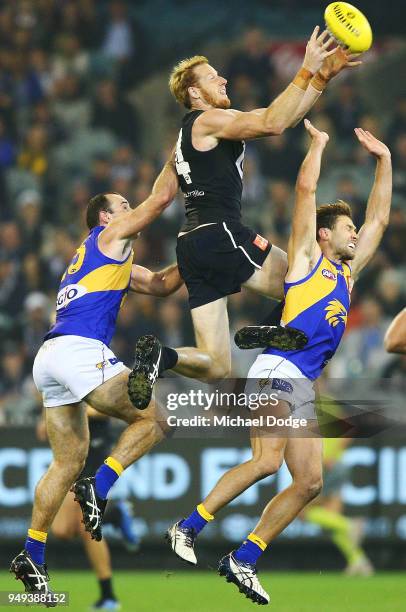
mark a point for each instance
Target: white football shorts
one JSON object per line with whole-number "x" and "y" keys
{"x": 67, "y": 368}
{"x": 275, "y": 374}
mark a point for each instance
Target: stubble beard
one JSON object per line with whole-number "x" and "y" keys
{"x": 223, "y": 103}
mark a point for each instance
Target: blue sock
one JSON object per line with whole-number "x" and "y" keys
{"x": 249, "y": 551}
{"x": 105, "y": 478}
{"x": 196, "y": 521}
{"x": 36, "y": 549}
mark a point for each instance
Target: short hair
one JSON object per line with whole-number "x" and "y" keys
{"x": 182, "y": 77}
{"x": 327, "y": 214}
{"x": 95, "y": 205}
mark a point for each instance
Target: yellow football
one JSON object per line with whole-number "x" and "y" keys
{"x": 349, "y": 26}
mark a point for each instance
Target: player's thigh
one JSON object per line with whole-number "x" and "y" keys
{"x": 111, "y": 398}
{"x": 304, "y": 458}
{"x": 211, "y": 326}
{"x": 67, "y": 521}
{"x": 270, "y": 278}
{"x": 68, "y": 433}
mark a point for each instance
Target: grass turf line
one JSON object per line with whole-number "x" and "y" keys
{"x": 205, "y": 591}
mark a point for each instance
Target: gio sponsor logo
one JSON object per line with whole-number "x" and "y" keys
{"x": 336, "y": 313}
{"x": 68, "y": 294}
{"x": 329, "y": 274}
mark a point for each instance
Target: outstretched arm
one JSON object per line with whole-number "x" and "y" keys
{"x": 128, "y": 226}
{"x": 302, "y": 241}
{"x": 379, "y": 202}
{"x": 395, "y": 337}
{"x": 160, "y": 283}
{"x": 235, "y": 125}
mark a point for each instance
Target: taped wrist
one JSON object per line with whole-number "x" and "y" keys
{"x": 319, "y": 82}
{"x": 302, "y": 78}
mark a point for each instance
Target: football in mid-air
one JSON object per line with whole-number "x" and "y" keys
{"x": 349, "y": 26}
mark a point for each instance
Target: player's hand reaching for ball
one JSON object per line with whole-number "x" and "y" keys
{"x": 372, "y": 144}
{"x": 337, "y": 61}
{"x": 321, "y": 138}
{"x": 317, "y": 50}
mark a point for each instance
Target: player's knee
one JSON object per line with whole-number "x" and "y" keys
{"x": 218, "y": 371}
{"x": 311, "y": 487}
{"x": 263, "y": 468}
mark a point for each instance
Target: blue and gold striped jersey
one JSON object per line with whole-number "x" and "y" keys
{"x": 318, "y": 305}
{"x": 91, "y": 292}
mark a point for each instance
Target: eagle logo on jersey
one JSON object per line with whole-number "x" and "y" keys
{"x": 336, "y": 313}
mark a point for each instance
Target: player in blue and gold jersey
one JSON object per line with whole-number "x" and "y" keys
{"x": 325, "y": 256}
{"x": 75, "y": 367}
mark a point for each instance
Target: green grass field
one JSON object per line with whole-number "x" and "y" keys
{"x": 206, "y": 592}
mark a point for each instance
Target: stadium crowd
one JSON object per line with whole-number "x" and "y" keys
{"x": 69, "y": 129}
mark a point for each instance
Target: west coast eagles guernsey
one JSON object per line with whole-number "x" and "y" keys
{"x": 318, "y": 305}
{"x": 91, "y": 292}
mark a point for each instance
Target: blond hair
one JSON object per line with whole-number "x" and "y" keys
{"x": 182, "y": 77}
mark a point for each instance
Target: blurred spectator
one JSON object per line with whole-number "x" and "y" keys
{"x": 279, "y": 158}
{"x": 346, "y": 109}
{"x": 348, "y": 190}
{"x": 34, "y": 153}
{"x": 11, "y": 291}
{"x": 35, "y": 322}
{"x": 123, "y": 42}
{"x": 397, "y": 124}
{"x": 111, "y": 111}
{"x": 280, "y": 207}
{"x": 40, "y": 63}
{"x": 399, "y": 158}
{"x": 29, "y": 213}
{"x": 70, "y": 58}
{"x": 389, "y": 292}
{"x": 100, "y": 178}
{"x": 7, "y": 147}
{"x": 70, "y": 106}
{"x": 17, "y": 399}
{"x": 363, "y": 350}
{"x": 10, "y": 241}
{"x": 251, "y": 65}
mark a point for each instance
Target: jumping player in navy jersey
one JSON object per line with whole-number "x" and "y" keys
{"x": 75, "y": 363}
{"x": 325, "y": 257}
{"x": 216, "y": 253}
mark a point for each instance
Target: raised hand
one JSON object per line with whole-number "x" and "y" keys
{"x": 337, "y": 61}
{"x": 317, "y": 136}
{"x": 372, "y": 144}
{"x": 317, "y": 50}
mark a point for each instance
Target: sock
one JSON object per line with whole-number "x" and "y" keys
{"x": 106, "y": 589}
{"x": 251, "y": 549}
{"x": 198, "y": 519}
{"x": 274, "y": 317}
{"x": 169, "y": 359}
{"x": 350, "y": 551}
{"x": 106, "y": 476}
{"x": 328, "y": 519}
{"x": 35, "y": 545}
{"x": 341, "y": 528}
